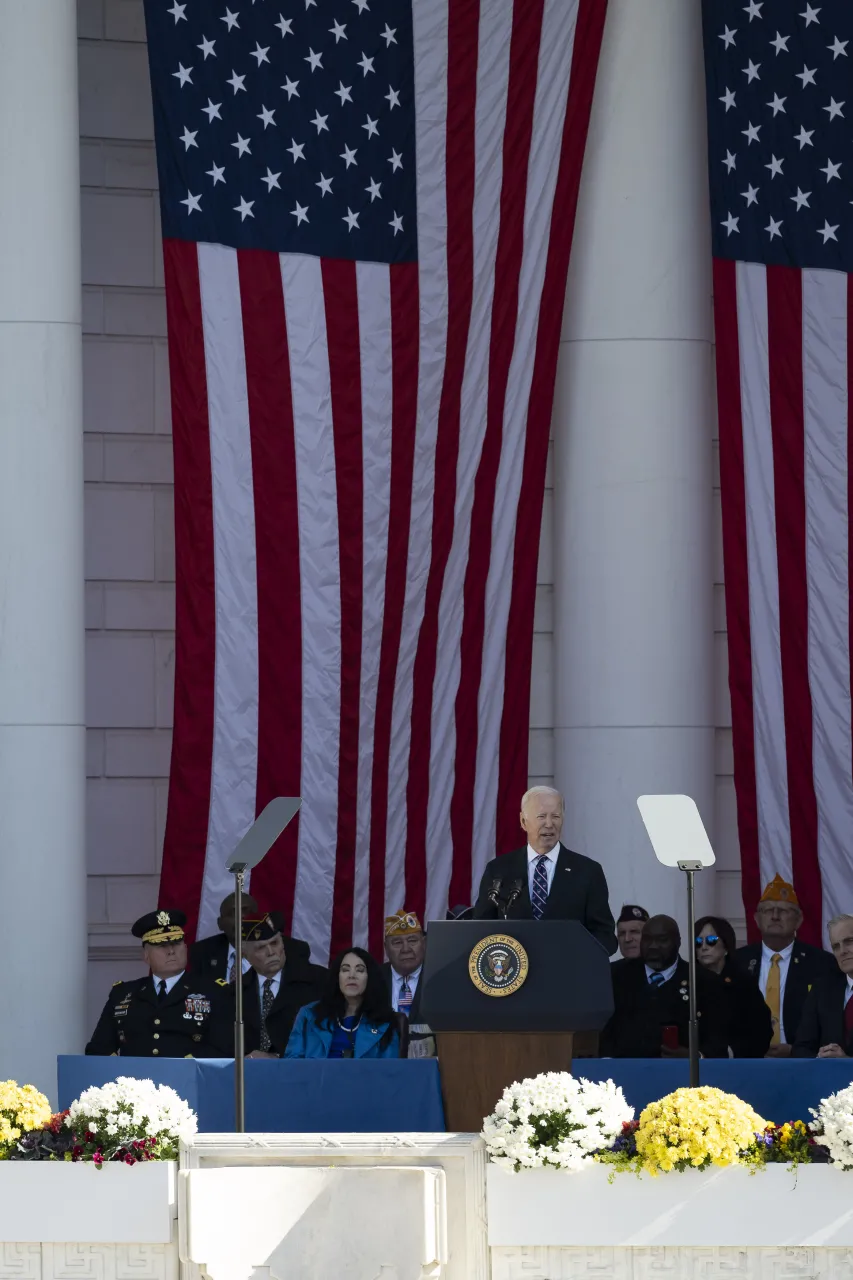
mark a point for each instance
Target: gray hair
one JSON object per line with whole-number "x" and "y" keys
{"x": 838, "y": 920}
{"x": 541, "y": 791}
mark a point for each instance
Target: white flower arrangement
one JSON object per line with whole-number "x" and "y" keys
{"x": 556, "y": 1120}
{"x": 834, "y": 1126}
{"x": 130, "y": 1120}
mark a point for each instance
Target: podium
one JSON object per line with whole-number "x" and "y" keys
{"x": 504, "y": 998}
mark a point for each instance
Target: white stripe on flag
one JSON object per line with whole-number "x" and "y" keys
{"x": 825, "y": 391}
{"x": 430, "y": 42}
{"x": 555, "y": 53}
{"x": 233, "y": 782}
{"x": 771, "y": 765}
{"x": 374, "y": 324}
{"x": 319, "y": 570}
{"x": 490, "y": 116}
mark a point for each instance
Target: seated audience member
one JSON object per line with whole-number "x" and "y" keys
{"x": 405, "y": 947}
{"x": 215, "y": 956}
{"x": 782, "y": 967}
{"x": 171, "y": 1013}
{"x": 826, "y": 1027}
{"x": 629, "y": 930}
{"x": 652, "y": 1009}
{"x": 280, "y": 982}
{"x": 352, "y": 1019}
{"x": 749, "y": 1025}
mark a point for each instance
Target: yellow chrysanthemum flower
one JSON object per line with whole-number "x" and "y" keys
{"x": 695, "y": 1127}
{"x": 22, "y": 1108}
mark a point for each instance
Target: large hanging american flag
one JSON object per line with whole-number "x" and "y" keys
{"x": 780, "y": 102}
{"x": 367, "y": 212}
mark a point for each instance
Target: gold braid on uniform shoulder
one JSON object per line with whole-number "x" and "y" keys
{"x": 118, "y": 982}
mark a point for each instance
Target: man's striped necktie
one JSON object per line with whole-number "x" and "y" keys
{"x": 539, "y": 896}
{"x": 656, "y": 980}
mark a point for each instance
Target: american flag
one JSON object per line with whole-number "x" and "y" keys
{"x": 367, "y": 212}
{"x": 780, "y": 105}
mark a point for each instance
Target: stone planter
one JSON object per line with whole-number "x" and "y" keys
{"x": 58, "y": 1218}
{"x": 720, "y": 1208}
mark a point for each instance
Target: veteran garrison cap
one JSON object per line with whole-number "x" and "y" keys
{"x": 261, "y": 928}
{"x": 158, "y": 927}
{"x": 631, "y": 912}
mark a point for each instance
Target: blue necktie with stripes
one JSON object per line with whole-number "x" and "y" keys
{"x": 539, "y": 896}
{"x": 656, "y": 980}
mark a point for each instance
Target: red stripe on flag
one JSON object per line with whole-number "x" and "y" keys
{"x": 185, "y": 842}
{"x": 736, "y": 571}
{"x": 785, "y": 350}
{"x": 405, "y": 338}
{"x": 462, "y": 40}
{"x": 521, "y": 97}
{"x": 515, "y": 724}
{"x": 277, "y": 553}
{"x": 850, "y": 464}
{"x": 340, "y": 293}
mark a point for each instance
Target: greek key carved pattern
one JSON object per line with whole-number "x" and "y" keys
{"x": 109, "y": 1262}
{"x": 20, "y": 1262}
{"x": 672, "y": 1264}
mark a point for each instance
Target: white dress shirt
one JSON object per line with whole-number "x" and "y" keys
{"x": 229, "y": 963}
{"x": 849, "y": 992}
{"x": 276, "y": 983}
{"x": 667, "y": 973}
{"x": 767, "y": 955}
{"x": 550, "y": 866}
{"x": 397, "y": 982}
{"x": 170, "y": 982}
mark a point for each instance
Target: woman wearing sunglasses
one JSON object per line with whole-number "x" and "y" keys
{"x": 749, "y": 1026}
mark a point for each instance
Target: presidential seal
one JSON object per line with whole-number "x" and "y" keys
{"x": 498, "y": 965}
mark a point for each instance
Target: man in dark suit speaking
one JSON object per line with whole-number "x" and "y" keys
{"x": 545, "y": 880}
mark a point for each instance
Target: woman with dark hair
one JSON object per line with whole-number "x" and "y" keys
{"x": 750, "y": 1029}
{"x": 352, "y": 1019}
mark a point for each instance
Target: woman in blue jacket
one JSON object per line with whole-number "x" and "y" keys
{"x": 353, "y": 1019}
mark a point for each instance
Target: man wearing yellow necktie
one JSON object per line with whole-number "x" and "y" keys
{"x": 772, "y": 997}
{"x": 784, "y": 968}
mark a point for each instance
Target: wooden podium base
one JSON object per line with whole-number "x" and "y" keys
{"x": 476, "y": 1067}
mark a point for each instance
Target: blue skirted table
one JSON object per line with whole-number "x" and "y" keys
{"x": 779, "y": 1089}
{"x": 348, "y": 1095}
{"x": 405, "y": 1096}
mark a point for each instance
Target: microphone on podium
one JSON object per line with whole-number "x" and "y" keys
{"x": 514, "y": 892}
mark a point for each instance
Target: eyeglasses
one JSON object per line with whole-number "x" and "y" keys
{"x": 711, "y": 940}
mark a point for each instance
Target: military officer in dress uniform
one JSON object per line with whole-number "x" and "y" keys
{"x": 171, "y": 1013}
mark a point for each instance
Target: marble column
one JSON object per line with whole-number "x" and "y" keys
{"x": 633, "y": 478}
{"x": 42, "y": 733}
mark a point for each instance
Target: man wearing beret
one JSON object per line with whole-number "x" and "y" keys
{"x": 629, "y": 930}
{"x": 280, "y": 981}
{"x": 171, "y": 1013}
{"x": 784, "y": 968}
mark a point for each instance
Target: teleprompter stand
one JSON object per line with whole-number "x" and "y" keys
{"x": 254, "y": 846}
